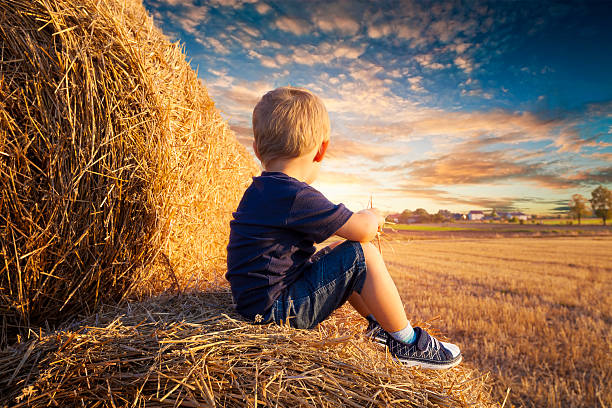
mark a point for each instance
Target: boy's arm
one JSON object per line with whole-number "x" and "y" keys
{"x": 362, "y": 226}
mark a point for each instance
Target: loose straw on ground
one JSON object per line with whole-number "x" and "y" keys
{"x": 190, "y": 351}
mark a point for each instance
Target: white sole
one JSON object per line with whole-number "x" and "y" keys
{"x": 422, "y": 364}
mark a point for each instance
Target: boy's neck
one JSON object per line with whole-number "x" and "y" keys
{"x": 301, "y": 168}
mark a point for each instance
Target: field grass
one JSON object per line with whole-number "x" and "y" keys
{"x": 535, "y": 312}
{"x": 584, "y": 221}
{"x": 420, "y": 227}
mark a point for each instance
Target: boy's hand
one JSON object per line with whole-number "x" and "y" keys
{"x": 362, "y": 226}
{"x": 379, "y": 217}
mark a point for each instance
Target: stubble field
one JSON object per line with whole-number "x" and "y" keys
{"x": 534, "y": 312}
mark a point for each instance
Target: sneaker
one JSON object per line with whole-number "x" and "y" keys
{"x": 376, "y": 333}
{"x": 426, "y": 351}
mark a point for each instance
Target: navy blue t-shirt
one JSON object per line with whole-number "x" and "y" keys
{"x": 272, "y": 238}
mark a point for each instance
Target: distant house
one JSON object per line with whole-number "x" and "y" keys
{"x": 459, "y": 216}
{"x": 519, "y": 216}
{"x": 475, "y": 215}
{"x": 393, "y": 218}
{"x": 401, "y": 219}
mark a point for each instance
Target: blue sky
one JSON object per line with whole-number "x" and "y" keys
{"x": 438, "y": 105}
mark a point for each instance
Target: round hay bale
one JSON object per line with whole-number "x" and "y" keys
{"x": 117, "y": 173}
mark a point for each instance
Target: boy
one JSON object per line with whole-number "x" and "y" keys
{"x": 271, "y": 268}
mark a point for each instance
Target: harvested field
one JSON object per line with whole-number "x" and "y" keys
{"x": 535, "y": 312}
{"x": 494, "y": 230}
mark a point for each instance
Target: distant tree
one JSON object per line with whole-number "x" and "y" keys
{"x": 443, "y": 216}
{"x": 420, "y": 212}
{"x": 601, "y": 202}
{"x": 422, "y": 215}
{"x": 493, "y": 213}
{"x": 405, "y": 216}
{"x": 578, "y": 207}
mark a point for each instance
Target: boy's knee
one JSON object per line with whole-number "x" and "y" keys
{"x": 367, "y": 246}
{"x": 369, "y": 250}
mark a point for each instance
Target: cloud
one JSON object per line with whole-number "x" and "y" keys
{"x": 465, "y": 168}
{"x": 244, "y": 134}
{"x": 464, "y": 64}
{"x": 215, "y": 44}
{"x": 394, "y": 131}
{"x": 415, "y": 83}
{"x": 570, "y": 139}
{"x": 252, "y": 31}
{"x": 601, "y": 156}
{"x": 399, "y": 30}
{"x": 265, "y": 61}
{"x": 262, "y": 8}
{"x": 601, "y": 175}
{"x": 459, "y": 47}
{"x": 480, "y": 167}
{"x": 342, "y": 148}
{"x": 331, "y": 177}
{"x": 379, "y": 31}
{"x": 189, "y": 17}
{"x": 340, "y": 23}
{"x": 477, "y": 92}
{"x": 324, "y": 53}
{"x": 292, "y": 25}
{"x": 479, "y": 128}
{"x": 427, "y": 61}
{"x": 237, "y": 97}
{"x": 231, "y": 3}
{"x": 450, "y": 28}
{"x": 445, "y": 198}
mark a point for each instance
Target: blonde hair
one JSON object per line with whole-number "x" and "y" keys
{"x": 289, "y": 122}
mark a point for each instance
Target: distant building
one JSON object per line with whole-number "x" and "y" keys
{"x": 516, "y": 215}
{"x": 402, "y": 219}
{"x": 393, "y": 218}
{"x": 475, "y": 215}
{"x": 519, "y": 216}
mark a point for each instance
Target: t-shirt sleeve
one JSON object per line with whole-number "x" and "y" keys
{"x": 315, "y": 216}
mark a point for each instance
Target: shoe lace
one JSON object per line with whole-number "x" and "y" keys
{"x": 433, "y": 347}
{"x": 435, "y": 343}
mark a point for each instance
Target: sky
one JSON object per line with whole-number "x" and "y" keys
{"x": 434, "y": 104}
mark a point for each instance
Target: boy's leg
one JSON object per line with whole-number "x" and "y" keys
{"x": 336, "y": 272}
{"x": 359, "y": 305}
{"x": 326, "y": 250}
{"x": 379, "y": 295}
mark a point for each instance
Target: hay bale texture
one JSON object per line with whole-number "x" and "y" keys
{"x": 190, "y": 351}
{"x": 117, "y": 173}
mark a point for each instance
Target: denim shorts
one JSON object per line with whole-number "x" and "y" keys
{"x": 333, "y": 276}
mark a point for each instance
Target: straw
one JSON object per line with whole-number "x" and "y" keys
{"x": 191, "y": 351}
{"x": 117, "y": 173}
{"x": 371, "y": 205}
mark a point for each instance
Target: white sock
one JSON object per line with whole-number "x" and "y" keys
{"x": 406, "y": 335}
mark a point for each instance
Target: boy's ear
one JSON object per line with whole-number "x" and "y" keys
{"x": 321, "y": 152}
{"x": 255, "y": 150}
